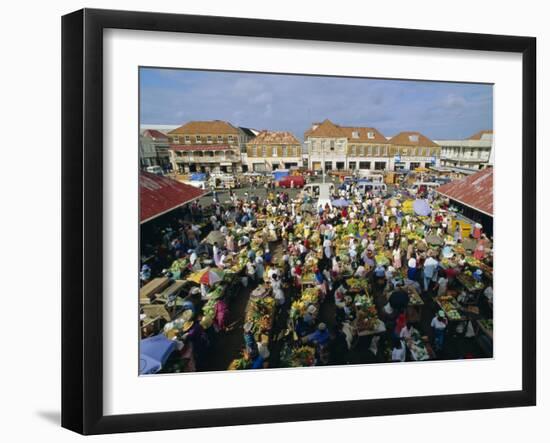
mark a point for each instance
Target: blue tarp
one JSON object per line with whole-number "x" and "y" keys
{"x": 198, "y": 176}
{"x": 340, "y": 203}
{"x": 279, "y": 174}
{"x": 422, "y": 207}
{"x": 153, "y": 353}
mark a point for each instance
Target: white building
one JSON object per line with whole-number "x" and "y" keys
{"x": 475, "y": 152}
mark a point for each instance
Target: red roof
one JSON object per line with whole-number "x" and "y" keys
{"x": 475, "y": 191}
{"x": 159, "y": 195}
{"x": 154, "y": 134}
{"x": 201, "y": 147}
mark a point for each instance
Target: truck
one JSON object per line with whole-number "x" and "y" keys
{"x": 292, "y": 181}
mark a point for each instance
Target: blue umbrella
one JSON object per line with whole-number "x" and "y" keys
{"x": 340, "y": 203}
{"x": 153, "y": 353}
{"x": 422, "y": 207}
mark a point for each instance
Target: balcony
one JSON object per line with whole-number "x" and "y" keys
{"x": 207, "y": 159}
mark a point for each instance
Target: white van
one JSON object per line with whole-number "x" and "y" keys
{"x": 157, "y": 170}
{"x": 320, "y": 191}
{"x": 367, "y": 186}
{"x": 201, "y": 184}
{"x": 367, "y": 175}
{"x": 415, "y": 187}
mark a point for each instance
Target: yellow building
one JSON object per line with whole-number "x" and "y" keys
{"x": 205, "y": 146}
{"x": 271, "y": 150}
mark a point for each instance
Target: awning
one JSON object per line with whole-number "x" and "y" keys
{"x": 159, "y": 195}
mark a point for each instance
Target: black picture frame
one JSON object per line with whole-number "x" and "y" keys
{"x": 82, "y": 216}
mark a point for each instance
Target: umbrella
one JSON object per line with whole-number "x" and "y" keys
{"x": 153, "y": 353}
{"x": 206, "y": 276}
{"x": 421, "y": 207}
{"x": 215, "y": 237}
{"x": 340, "y": 203}
{"x": 434, "y": 240}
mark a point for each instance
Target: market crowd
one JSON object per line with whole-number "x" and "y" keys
{"x": 374, "y": 277}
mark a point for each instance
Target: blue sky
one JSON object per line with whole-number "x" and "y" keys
{"x": 277, "y": 102}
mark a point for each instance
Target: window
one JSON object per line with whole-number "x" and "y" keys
{"x": 383, "y": 150}
{"x": 413, "y": 138}
{"x": 352, "y": 150}
{"x": 285, "y": 151}
{"x": 176, "y": 139}
{"x": 230, "y": 139}
{"x": 352, "y": 165}
{"x": 370, "y": 135}
{"x": 209, "y": 139}
{"x": 355, "y": 134}
{"x": 198, "y": 138}
{"x": 405, "y": 151}
{"x": 264, "y": 151}
{"x": 379, "y": 166}
{"x": 274, "y": 151}
{"x": 220, "y": 139}
{"x": 369, "y": 152}
{"x": 376, "y": 150}
{"x": 332, "y": 145}
{"x": 364, "y": 165}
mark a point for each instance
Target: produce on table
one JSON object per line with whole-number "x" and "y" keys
{"x": 298, "y": 357}
{"x": 240, "y": 363}
{"x": 358, "y": 283}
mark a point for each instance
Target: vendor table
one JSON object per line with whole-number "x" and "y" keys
{"x": 153, "y": 287}
{"x": 420, "y": 348}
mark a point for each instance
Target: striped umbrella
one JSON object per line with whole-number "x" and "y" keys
{"x": 206, "y": 276}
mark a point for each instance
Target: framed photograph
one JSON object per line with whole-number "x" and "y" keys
{"x": 269, "y": 221}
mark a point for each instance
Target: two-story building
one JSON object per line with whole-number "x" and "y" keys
{"x": 332, "y": 146}
{"x": 271, "y": 150}
{"x": 367, "y": 148}
{"x": 153, "y": 149}
{"x": 411, "y": 150}
{"x": 245, "y": 135}
{"x": 327, "y": 146}
{"x": 473, "y": 153}
{"x": 205, "y": 146}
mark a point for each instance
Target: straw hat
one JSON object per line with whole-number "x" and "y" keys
{"x": 206, "y": 322}
{"x": 187, "y": 325}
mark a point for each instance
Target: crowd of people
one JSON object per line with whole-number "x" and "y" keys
{"x": 364, "y": 260}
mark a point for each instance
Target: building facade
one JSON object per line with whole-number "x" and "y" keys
{"x": 473, "y": 153}
{"x": 367, "y": 149}
{"x": 335, "y": 147}
{"x": 271, "y": 150}
{"x": 153, "y": 149}
{"x": 245, "y": 135}
{"x": 205, "y": 146}
{"x": 411, "y": 150}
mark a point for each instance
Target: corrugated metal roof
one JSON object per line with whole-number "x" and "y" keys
{"x": 475, "y": 191}
{"x": 159, "y": 195}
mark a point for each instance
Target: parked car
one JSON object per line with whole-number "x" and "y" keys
{"x": 157, "y": 170}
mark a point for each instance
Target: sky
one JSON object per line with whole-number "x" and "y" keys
{"x": 281, "y": 102}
